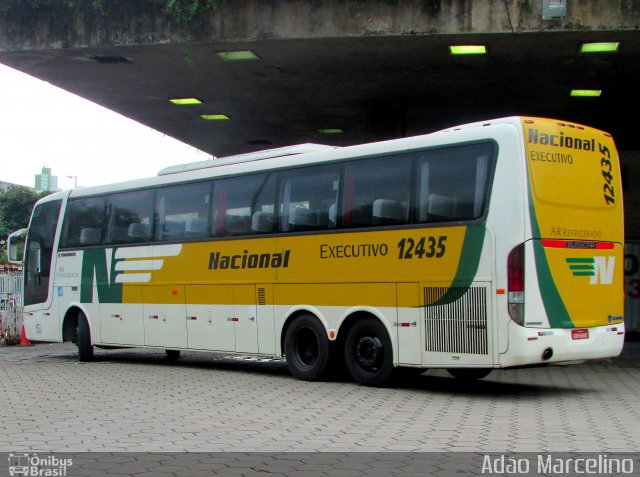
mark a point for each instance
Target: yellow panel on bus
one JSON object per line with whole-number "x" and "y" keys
{"x": 576, "y": 221}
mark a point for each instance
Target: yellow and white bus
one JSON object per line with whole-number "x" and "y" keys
{"x": 490, "y": 245}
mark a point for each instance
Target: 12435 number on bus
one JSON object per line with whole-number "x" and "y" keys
{"x": 424, "y": 247}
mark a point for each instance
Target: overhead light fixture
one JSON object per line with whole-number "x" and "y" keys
{"x": 600, "y": 47}
{"x": 330, "y": 131}
{"x": 214, "y": 117}
{"x": 185, "y": 101}
{"x": 240, "y": 55}
{"x": 586, "y": 93}
{"x": 468, "y": 49}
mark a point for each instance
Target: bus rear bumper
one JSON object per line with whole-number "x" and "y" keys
{"x": 530, "y": 346}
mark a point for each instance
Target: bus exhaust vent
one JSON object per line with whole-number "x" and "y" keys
{"x": 457, "y": 320}
{"x": 262, "y": 298}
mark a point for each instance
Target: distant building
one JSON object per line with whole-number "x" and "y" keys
{"x": 45, "y": 182}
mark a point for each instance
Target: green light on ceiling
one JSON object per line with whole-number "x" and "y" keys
{"x": 586, "y": 93}
{"x": 185, "y": 101}
{"x": 240, "y": 55}
{"x": 601, "y": 47}
{"x": 214, "y": 117}
{"x": 330, "y": 131}
{"x": 468, "y": 49}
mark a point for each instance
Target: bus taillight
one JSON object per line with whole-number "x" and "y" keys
{"x": 515, "y": 277}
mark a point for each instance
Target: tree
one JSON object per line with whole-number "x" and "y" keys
{"x": 15, "y": 210}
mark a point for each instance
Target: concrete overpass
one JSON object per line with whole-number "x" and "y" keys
{"x": 359, "y": 70}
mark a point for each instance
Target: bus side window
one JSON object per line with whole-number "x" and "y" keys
{"x": 84, "y": 222}
{"x": 244, "y": 205}
{"x": 377, "y": 192}
{"x": 452, "y": 183}
{"x": 130, "y": 216}
{"x": 182, "y": 212}
{"x": 306, "y": 199}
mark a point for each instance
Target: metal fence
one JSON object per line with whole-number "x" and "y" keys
{"x": 10, "y": 307}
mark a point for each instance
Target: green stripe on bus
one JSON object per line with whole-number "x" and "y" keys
{"x": 554, "y": 306}
{"x": 467, "y": 266}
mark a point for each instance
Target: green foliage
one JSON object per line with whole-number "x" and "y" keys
{"x": 15, "y": 209}
{"x": 183, "y": 11}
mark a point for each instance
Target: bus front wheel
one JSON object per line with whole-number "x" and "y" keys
{"x": 306, "y": 348}
{"x": 83, "y": 339}
{"x": 368, "y": 352}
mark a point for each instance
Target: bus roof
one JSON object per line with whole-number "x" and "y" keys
{"x": 247, "y": 157}
{"x": 298, "y": 155}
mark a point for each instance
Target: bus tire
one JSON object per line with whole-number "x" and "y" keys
{"x": 83, "y": 339}
{"x": 469, "y": 374}
{"x": 306, "y": 348}
{"x": 368, "y": 352}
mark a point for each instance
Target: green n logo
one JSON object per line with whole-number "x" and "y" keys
{"x": 599, "y": 269}
{"x": 99, "y": 269}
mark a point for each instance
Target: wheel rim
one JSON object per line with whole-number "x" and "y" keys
{"x": 306, "y": 347}
{"x": 370, "y": 353}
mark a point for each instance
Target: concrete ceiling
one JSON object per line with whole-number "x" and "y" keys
{"x": 370, "y": 87}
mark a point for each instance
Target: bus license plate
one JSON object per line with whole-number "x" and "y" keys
{"x": 580, "y": 334}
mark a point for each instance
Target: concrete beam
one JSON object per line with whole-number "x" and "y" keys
{"x": 143, "y": 22}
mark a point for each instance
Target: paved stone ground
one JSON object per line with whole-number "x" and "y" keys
{"x": 136, "y": 401}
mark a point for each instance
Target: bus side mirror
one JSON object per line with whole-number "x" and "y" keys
{"x": 12, "y": 245}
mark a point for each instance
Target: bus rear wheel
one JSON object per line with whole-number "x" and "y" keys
{"x": 469, "y": 374}
{"x": 306, "y": 348}
{"x": 83, "y": 339}
{"x": 368, "y": 352}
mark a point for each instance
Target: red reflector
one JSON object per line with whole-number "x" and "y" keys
{"x": 532, "y": 339}
{"x": 582, "y": 334}
{"x": 405, "y": 325}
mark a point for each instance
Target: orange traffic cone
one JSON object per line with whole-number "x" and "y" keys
{"x": 23, "y": 338}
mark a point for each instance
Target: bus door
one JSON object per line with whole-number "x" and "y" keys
{"x": 37, "y": 269}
